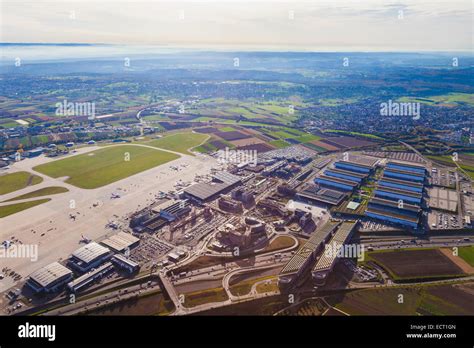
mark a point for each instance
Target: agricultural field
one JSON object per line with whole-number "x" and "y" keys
{"x": 47, "y": 191}
{"x": 10, "y": 209}
{"x": 416, "y": 264}
{"x": 453, "y": 299}
{"x": 467, "y": 254}
{"x": 104, "y": 166}
{"x": 17, "y": 181}
{"x": 150, "y": 304}
{"x": 179, "y": 142}
{"x": 365, "y": 135}
{"x": 465, "y": 162}
{"x": 232, "y": 109}
{"x": 450, "y": 99}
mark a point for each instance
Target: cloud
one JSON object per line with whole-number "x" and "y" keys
{"x": 342, "y": 24}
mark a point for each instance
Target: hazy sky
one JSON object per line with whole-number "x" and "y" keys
{"x": 369, "y": 25}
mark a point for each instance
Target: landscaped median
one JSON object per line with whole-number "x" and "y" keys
{"x": 16, "y": 181}
{"x": 46, "y": 191}
{"x": 10, "y": 209}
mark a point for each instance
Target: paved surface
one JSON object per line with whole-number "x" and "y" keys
{"x": 57, "y": 235}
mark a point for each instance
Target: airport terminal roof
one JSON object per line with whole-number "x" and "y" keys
{"x": 90, "y": 252}
{"x": 120, "y": 241}
{"x": 227, "y": 178}
{"x": 50, "y": 273}
{"x": 204, "y": 191}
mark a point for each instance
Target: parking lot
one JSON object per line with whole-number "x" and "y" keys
{"x": 443, "y": 221}
{"x": 444, "y": 199}
{"x": 443, "y": 177}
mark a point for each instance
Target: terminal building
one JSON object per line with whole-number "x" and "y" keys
{"x": 89, "y": 256}
{"x": 120, "y": 242}
{"x": 173, "y": 210}
{"x": 222, "y": 182}
{"x": 328, "y": 260}
{"x": 90, "y": 278}
{"x": 125, "y": 263}
{"x": 50, "y": 278}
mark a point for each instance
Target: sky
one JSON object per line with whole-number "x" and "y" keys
{"x": 310, "y": 25}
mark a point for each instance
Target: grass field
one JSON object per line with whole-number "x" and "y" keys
{"x": 17, "y": 181}
{"x": 467, "y": 254}
{"x": 365, "y": 135}
{"x": 17, "y": 207}
{"x": 426, "y": 300}
{"x": 243, "y": 288}
{"x": 197, "y": 298}
{"x": 179, "y": 142}
{"x": 104, "y": 166}
{"x": 415, "y": 264}
{"x": 279, "y": 143}
{"x": 53, "y": 190}
{"x": 445, "y": 99}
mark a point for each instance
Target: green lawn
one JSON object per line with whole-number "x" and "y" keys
{"x": 104, "y": 166}
{"x": 47, "y": 191}
{"x": 467, "y": 254}
{"x": 449, "y": 98}
{"x": 279, "y": 143}
{"x": 179, "y": 142}
{"x": 17, "y": 181}
{"x": 227, "y": 129}
{"x": 307, "y": 137}
{"x": 365, "y": 135}
{"x": 17, "y": 207}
